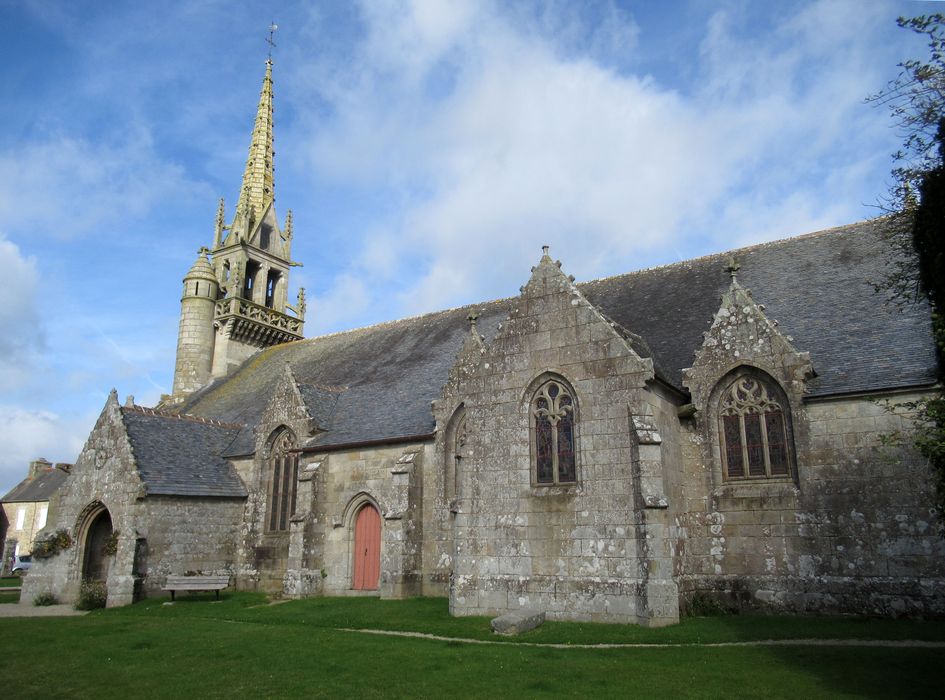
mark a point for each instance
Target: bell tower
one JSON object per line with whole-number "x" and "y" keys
{"x": 249, "y": 264}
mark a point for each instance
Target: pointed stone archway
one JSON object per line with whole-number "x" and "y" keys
{"x": 94, "y": 559}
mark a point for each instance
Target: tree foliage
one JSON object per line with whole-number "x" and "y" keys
{"x": 916, "y": 99}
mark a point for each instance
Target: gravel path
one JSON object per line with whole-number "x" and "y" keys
{"x": 29, "y": 610}
{"x": 901, "y": 643}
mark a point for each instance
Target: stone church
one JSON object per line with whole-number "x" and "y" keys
{"x": 613, "y": 450}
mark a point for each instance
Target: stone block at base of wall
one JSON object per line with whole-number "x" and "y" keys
{"x": 517, "y": 621}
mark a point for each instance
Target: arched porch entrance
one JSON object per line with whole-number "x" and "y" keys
{"x": 367, "y": 549}
{"x": 94, "y": 559}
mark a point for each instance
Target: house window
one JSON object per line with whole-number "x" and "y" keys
{"x": 41, "y": 520}
{"x": 20, "y": 518}
{"x": 753, "y": 431}
{"x": 552, "y": 423}
{"x": 284, "y": 471}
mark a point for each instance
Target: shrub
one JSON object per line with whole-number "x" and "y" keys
{"x": 92, "y": 595}
{"x": 52, "y": 544}
{"x": 44, "y": 599}
{"x": 111, "y": 544}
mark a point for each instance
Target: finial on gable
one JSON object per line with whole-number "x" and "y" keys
{"x": 544, "y": 251}
{"x": 472, "y": 318}
{"x": 732, "y": 267}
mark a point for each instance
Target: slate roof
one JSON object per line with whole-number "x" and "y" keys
{"x": 39, "y": 488}
{"x": 819, "y": 287}
{"x": 182, "y": 456}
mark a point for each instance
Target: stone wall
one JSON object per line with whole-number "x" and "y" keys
{"x": 332, "y": 490}
{"x": 183, "y": 535}
{"x": 856, "y": 534}
{"x": 596, "y": 549}
{"x": 850, "y": 530}
{"x": 103, "y": 476}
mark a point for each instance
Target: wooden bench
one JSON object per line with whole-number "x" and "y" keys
{"x": 196, "y": 583}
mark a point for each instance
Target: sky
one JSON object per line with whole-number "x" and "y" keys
{"x": 427, "y": 151}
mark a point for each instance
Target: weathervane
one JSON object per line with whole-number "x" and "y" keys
{"x": 272, "y": 30}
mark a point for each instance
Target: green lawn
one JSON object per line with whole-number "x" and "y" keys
{"x": 243, "y": 648}
{"x": 10, "y": 581}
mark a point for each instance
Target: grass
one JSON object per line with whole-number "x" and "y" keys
{"x": 10, "y": 582}
{"x": 241, "y": 647}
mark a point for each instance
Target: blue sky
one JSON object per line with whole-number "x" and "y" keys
{"x": 427, "y": 149}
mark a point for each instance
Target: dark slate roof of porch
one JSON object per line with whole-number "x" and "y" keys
{"x": 182, "y": 456}
{"x": 819, "y": 287}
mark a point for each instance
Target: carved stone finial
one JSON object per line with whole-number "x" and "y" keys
{"x": 544, "y": 250}
{"x": 130, "y": 401}
{"x": 204, "y": 250}
{"x": 732, "y": 267}
{"x": 219, "y": 224}
{"x": 300, "y": 303}
{"x": 472, "y": 318}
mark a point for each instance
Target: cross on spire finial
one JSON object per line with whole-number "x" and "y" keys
{"x": 272, "y": 30}
{"x": 732, "y": 267}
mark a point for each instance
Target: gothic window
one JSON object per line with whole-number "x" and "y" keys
{"x": 284, "y": 474}
{"x": 753, "y": 430}
{"x": 272, "y": 280}
{"x": 552, "y": 423}
{"x": 249, "y": 285}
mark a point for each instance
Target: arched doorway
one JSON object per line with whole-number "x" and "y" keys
{"x": 95, "y": 561}
{"x": 367, "y": 549}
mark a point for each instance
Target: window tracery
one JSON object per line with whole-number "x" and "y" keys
{"x": 284, "y": 475}
{"x": 753, "y": 431}
{"x": 552, "y": 418}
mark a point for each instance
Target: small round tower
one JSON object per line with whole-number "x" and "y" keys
{"x": 196, "y": 335}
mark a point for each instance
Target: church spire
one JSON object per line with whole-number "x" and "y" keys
{"x": 257, "y": 190}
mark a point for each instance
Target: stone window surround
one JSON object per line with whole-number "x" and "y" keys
{"x": 281, "y": 441}
{"x": 531, "y": 395}
{"x": 749, "y": 484}
{"x": 456, "y": 439}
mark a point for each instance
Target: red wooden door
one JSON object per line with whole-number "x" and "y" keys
{"x": 367, "y": 549}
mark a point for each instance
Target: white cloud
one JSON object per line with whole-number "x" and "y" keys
{"x": 525, "y": 142}
{"x": 22, "y": 334}
{"x": 29, "y": 434}
{"x": 63, "y": 186}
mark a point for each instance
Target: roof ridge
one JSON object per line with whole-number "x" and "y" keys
{"x": 396, "y": 321}
{"x": 748, "y": 248}
{"x": 324, "y": 387}
{"x": 752, "y": 247}
{"x": 144, "y": 410}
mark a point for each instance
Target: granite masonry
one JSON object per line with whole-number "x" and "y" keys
{"x": 709, "y": 432}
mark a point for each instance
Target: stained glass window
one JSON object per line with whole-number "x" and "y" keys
{"x": 284, "y": 474}
{"x": 553, "y": 434}
{"x": 753, "y": 431}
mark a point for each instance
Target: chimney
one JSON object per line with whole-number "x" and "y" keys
{"x": 38, "y": 466}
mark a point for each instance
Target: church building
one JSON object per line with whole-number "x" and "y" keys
{"x": 622, "y": 449}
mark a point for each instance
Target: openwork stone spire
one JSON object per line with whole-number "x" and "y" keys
{"x": 257, "y": 190}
